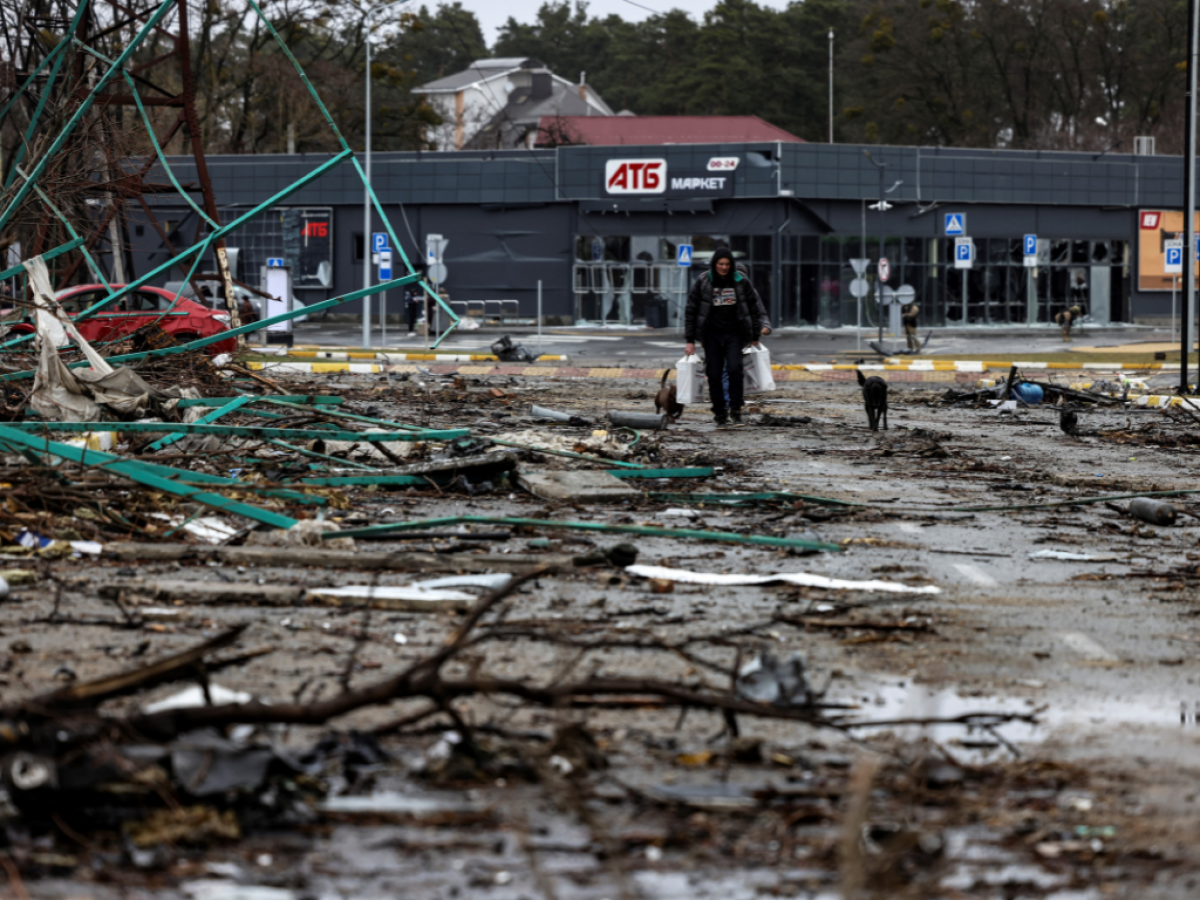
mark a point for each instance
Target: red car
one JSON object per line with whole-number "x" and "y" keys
{"x": 183, "y": 319}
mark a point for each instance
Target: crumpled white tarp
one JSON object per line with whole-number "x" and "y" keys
{"x": 805, "y": 579}
{"x": 76, "y": 395}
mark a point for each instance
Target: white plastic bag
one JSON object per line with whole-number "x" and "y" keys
{"x": 689, "y": 380}
{"x": 756, "y": 362}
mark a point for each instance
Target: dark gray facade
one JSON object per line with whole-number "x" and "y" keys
{"x": 795, "y": 215}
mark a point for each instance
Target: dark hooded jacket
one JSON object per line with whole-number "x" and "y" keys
{"x": 751, "y": 320}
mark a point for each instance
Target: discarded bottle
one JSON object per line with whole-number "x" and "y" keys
{"x": 637, "y": 420}
{"x": 1153, "y": 511}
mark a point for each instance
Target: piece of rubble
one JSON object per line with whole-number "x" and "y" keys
{"x": 582, "y": 486}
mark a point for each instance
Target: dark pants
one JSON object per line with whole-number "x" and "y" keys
{"x": 411, "y": 311}
{"x": 723, "y": 354}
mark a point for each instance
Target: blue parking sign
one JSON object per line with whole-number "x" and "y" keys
{"x": 379, "y": 241}
{"x": 1031, "y": 245}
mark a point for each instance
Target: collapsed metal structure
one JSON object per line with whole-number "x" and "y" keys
{"x": 74, "y": 173}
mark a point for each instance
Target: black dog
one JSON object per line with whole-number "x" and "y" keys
{"x": 666, "y": 399}
{"x": 874, "y": 398}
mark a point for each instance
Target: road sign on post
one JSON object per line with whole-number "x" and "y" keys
{"x": 385, "y": 265}
{"x": 379, "y": 241}
{"x": 1174, "y": 257}
{"x": 885, "y": 269}
{"x": 859, "y": 266}
{"x": 964, "y": 253}
{"x": 956, "y": 224}
{"x": 684, "y": 255}
{"x": 274, "y": 262}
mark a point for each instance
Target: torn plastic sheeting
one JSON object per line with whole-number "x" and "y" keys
{"x": 76, "y": 396}
{"x": 804, "y": 579}
{"x": 209, "y": 529}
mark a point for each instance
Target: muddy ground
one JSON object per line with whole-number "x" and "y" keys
{"x": 1086, "y": 791}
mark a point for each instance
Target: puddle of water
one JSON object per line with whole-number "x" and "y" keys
{"x": 902, "y": 699}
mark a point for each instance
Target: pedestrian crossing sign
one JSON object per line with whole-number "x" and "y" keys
{"x": 684, "y": 257}
{"x": 956, "y": 223}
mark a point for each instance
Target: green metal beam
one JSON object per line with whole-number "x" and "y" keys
{"x": 704, "y": 472}
{"x": 283, "y": 401}
{"x": 245, "y": 431}
{"x": 551, "y": 524}
{"x": 304, "y": 400}
{"x": 47, "y": 256}
{"x": 231, "y": 406}
{"x": 197, "y": 250}
{"x": 231, "y": 333}
{"x": 304, "y": 451}
{"x": 136, "y": 472}
{"x": 98, "y": 84}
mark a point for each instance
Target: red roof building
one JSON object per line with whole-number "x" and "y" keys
{"x": 554, "y": 131}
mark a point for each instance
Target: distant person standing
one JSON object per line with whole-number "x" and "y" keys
{"x": 412, "y": 308}
{"x": 910, "y": 314}
{"x": 723, "y": 313}
{"x": 1066, "y": 318}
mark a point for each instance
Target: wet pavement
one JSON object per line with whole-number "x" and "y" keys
{"x": 1071, "y": 776}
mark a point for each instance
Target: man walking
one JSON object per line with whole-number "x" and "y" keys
{"x": 723, "y": 312}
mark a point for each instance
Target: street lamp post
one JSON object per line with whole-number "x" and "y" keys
{"x": 831, "y": 85}
{"x": 883, "y": 205}
{"x": 366, "y": 333}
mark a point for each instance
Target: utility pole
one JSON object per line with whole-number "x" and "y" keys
{"x": 1189, "y": 203}
{"x": 831, "y": 85}
{"x": 366, "y": 334}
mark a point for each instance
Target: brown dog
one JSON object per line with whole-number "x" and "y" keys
{"x": 665, "y": 400}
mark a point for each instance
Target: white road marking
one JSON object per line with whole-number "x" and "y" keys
{"x": 909, "y": 527}
{"x": 976, "y": 574}
{"x": 1086, "y": 647}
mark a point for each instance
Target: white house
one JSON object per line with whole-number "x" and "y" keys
{"x": 496, "y": 103}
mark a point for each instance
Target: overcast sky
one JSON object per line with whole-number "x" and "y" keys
{"x": 493, "y": 15}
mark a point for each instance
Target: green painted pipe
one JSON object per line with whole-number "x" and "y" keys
{"x": 644, "y": 530}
